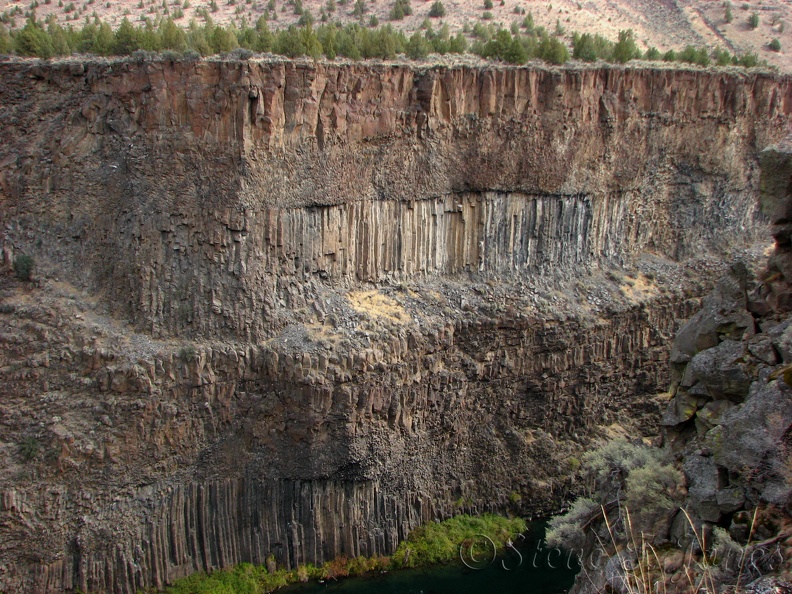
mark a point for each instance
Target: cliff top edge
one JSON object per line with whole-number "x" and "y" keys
{"x": 440, "y": 64}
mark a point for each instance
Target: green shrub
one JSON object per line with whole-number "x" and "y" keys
{"x": 34, "y": 41}
{"x": 591, "y": 48}
{"x": 245, "y": 578}
{"x": 435, "y": 542}
{"x": 306, "y": 18}
{"x": 552, "y": 50}
{"x": 636, "y": 477}
{"x": 504, "y": 46}
{"x": 170, "y": 56}
{"x": 23, "y": 267}
{"x": 401, "y": 9}
{"x": 693, "y": 55}
{"x": 242, "y": 54}
{"x": 431, "y": 543}
{"x": 753, "y": 20}
{"x": 172, "y": 36}
{"x": 721, "y": 57}
{"x": 648, "y": 489}
{"x": 625, "y": 49}
{"x": 749, "y": 60}
{"x": 6, "y": 43}
{"x": 567, "y": 530}
{"x": 437, "y": 10}
{"x": 28, "y": 448}
{"x": 145, "y": 42}
{"x": 187, "y": 353}
{"x": 775, "y": 45}
{"x": 418, "y": 47}
{"x": 617, "y": 458}
{"x": 652, "y": 54}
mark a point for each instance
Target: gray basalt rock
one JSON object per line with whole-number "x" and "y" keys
{"x": 724, "y": 315}
{"x": 723, "y": 370}
{"x": 704, "y": 482}
{"x": 750, "y": 440}
{"x": 682, "y": 408}
{"x": 781, "y": 337}
{"x": 709, "y": 415}
{"x": 279, "y": 257}
{"x": 761, "y": 346}
{"x": 730, "y": 499}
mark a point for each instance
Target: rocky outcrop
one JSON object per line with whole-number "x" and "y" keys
{"x": 731, "y": 415}
{"x": 297, "y": 309}
{"x": 230, "y": 186}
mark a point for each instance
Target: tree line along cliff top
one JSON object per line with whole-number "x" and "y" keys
{"x": 512, "y": 31}
{"x": 523, "y": 41}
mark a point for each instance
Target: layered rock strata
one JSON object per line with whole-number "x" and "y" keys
{"x": 298, "y": 309}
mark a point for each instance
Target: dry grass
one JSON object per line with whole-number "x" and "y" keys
{"x": 376, "y": 305}
{"x": 639, "y": 289}
{"x": 641, "y": 568}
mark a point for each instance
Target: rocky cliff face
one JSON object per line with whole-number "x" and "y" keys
{"x": 730, "y": 419}
{"x": 297, "y": 309}
{"x": 725, "y": 519}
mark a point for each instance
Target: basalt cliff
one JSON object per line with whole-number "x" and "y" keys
{"x": 296, "y": 309}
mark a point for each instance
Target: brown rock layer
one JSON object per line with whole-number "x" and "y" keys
{"x": 408, "y": 292}
{"x": 198, "y": 173}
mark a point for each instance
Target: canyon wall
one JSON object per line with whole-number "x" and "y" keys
{"x": 299, "y": 308}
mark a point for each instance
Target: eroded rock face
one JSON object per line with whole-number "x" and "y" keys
{"x": 297, "y": 309}
{"x": 732, "y": 378}
{"x": 231, "y": 188}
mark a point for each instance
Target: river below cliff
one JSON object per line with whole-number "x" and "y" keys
{"x": 533, "y": 569}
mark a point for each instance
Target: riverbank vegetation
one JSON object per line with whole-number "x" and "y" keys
{"x": 431, "y": 544}
{"x": 637, "y": 529}
{"x": 517, "y": 45}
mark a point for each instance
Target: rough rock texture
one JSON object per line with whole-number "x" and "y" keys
{"x": 297, "y": 309}
{"x": 730, "y": 420}
{"x": 271, "y": 175}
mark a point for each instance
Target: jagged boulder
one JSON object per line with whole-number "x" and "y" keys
{"x": 682, "y": 408}
{"x": 709, "y": 415}
{"x": 781, "y": 338}
{"x": 749, "y": 441}
{"x": 761, "y": 346}
{"x": 724, "y": 315}
{"x": 723, "y": 370}
{"x": 703, "y": 485}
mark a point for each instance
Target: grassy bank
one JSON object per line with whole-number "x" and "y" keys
{"x": 430, "y": 544}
